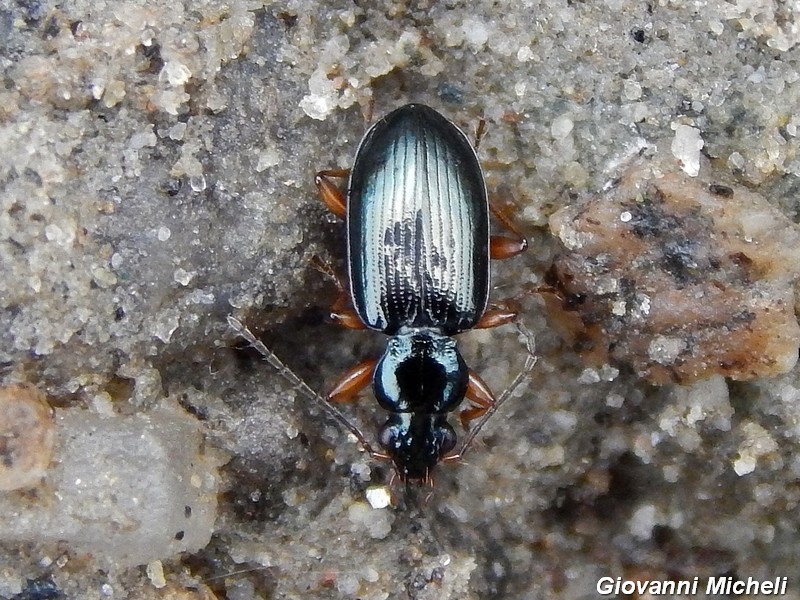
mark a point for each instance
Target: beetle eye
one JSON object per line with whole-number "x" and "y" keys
{"x": 387, "y": 437}
{"x": 447, "y": 438}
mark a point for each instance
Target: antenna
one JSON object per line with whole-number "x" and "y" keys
{"x": 301, "y": 386}
{"x": 522, "y": 377}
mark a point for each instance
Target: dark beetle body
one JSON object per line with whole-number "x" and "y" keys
{"x": 418, "y": 250}
{"x": 418, "y": 225}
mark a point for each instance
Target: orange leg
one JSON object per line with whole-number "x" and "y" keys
{"x": 479, "y": 394}
{"x": 368, "y": 110}
{"x": 479, "y": 131}
{"x": 330, "y": 193}
{"x": 494, "y": 317}
{"x": 342, "y": 311}
{"x": 345, "y": 315}
{"x": 325, "y": 268}
{"x": 502, "y": 247}
{"x": 352, "y": 382}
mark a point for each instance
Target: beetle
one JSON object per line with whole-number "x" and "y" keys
{"x": 418, "y": 253}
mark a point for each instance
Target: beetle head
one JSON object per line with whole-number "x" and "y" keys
{"x": 416, "y": 443}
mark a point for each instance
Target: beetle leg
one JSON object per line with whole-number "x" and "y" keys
{"x": 470, "y": 414}
{"x": 479, "y": 394}
{"x": 480, "y": 129}
{"x": 494, "y": 317}
{"x": 342, "y": 311}
{"x": 502, "y": 247}
{"x": 324, "y": 267}
{"x": 345, "y": 315}
{"x": 330, "y": 193}
{"x": 367, "y": 111}
{"x": 352, "y": 382}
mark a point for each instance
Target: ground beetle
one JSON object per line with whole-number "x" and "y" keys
{"x": 417, "y": 215}
{"x": 418, "y": 241}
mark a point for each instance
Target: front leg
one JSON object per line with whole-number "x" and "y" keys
{"x": 480, "y": 395}
{"x": 352, "y": 382}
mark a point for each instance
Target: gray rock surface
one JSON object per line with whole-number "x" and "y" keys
{"x": 128, "y": 490}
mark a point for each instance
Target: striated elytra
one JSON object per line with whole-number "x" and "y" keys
{"x": 418, "y": 225}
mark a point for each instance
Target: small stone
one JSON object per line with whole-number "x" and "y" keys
{"x": 632, "y": 89}
{"x": 643, "y": 520}
{"x": 686, "y": 146}
{"x": 104, "y": 277}
{"x": 317, "y": 107}
{"x": 589, "y": 376}
{"x": 744, "y": 465}
{"x": 665, "y": 350}
{"x": 182, "y": 276}
{"x": 561, "y": 127}
{"x": 379, "y": 496}
{"x": 27, "y": 434}
{"x": 347, "y": 585}
{"x": 524, "y": 54}
{"x": 155, "y": 573}
{"x": 142, "y": 139}
{"x": 476, "y": 33}
{"x": 736, "y": 160}
{"x": 266, "y": 159}
{"x": 177, "y": 131}
{"x": 122, "y": 485}
{"x": 681, "y": 278}
{"x": 176, "y": 73}
{"x": 757, "y": 443}
{"x": 378, "y": 523}
{"x": 197, "y": 183}
{"x": 166, "y": 324}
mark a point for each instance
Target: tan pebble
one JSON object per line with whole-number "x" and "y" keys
{"x": 681, "y": 278}
{"x": 27, "y": 433}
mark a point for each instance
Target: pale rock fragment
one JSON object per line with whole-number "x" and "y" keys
{"x": 686, "y": 146}
{"x": 128, "y": 490}
{"x": 679, "y": 277}
{"x": 27, "y": 434}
